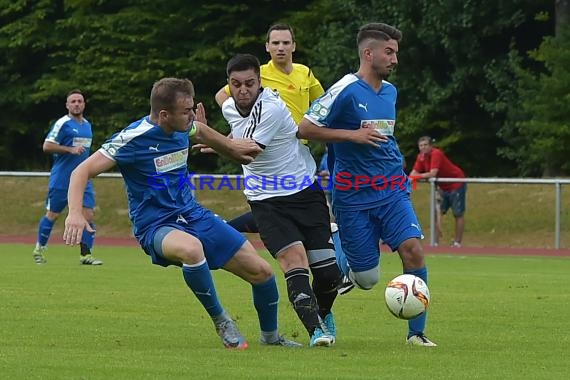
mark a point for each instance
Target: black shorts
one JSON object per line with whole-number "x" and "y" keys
{"x": 303, "y": 216}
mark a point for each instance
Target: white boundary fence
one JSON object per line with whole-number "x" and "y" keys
{"x": 556, "y": 182}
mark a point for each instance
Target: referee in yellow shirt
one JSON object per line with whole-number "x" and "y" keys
{"x": 295, "y": 83}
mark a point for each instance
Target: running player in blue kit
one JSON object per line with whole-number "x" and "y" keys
{"x": 69, "y": 140}
{"x": 170, "y": 225}
{"x": 370, "y": 192}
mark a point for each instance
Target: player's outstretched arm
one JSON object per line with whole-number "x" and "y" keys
{"x": 75, "y": 221}
{"x": 310, "y": 131}
{"x": 243, "y": 151}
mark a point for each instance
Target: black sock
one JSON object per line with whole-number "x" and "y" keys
{"x": 326, "y": 278}
{"x": 84, "y": 249}
{"x": 302, "y": 298}
{"x": 244, "y": 223}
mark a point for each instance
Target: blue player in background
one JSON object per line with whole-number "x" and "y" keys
{"x": 370, "y": 193}
{"x": 170, "y": 225}
{"x": 69, "y": 140}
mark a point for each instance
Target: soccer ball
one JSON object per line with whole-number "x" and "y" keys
{"x": 407, "y": 296}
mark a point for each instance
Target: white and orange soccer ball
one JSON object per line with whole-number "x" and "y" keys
{"x": 407, "y": 296}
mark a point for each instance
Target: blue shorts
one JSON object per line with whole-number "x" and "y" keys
{"x": 454, "y": 199}
{"x": 56, "y": 200}
{"x": 360, "y": 231}
{"x": 220, "y": 241}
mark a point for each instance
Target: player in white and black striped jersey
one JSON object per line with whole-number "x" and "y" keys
{"x": 289, "y": 208}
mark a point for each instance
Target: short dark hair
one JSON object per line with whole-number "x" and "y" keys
{"x": 280, "y": 27}
{"x": 378, "y": 31}
{"x": 242, "y": 62}
{"x": 75, "y": 91}
{"x": 427, "y": 139}
{"x": 166, "y": 91}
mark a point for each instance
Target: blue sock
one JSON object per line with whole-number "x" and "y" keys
{"x": 266, "y": 302}
{"x": 199, "y": 280}
{"x": 44, "y": 230}
{"x": 88, "y": 237}
{"x": 417, "y": 325}
{"x": 341, "y": 259}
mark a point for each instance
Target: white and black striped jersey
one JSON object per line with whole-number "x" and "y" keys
{"x": 285, "y": 166}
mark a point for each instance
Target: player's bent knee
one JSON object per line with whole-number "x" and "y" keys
{"x": 367, "y": 279}
{"x": 412, "y": 254}
{"x": 188, "y": 255}
{"x": 293, "y": 256}
{"x": 263, "y": 273}
{"x": 178, "y": 246}
{"x": 52, "y": 216}
{"x": 248, "y": 265}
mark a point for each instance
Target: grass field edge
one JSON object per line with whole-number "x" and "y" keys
{"x": 485, "y": 251}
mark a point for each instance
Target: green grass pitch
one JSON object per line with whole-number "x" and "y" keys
{"x": 493, "y": 317}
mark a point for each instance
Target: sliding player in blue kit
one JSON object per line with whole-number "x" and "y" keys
{"x": 170, "y": 225}
{"x": 370, "y": 192}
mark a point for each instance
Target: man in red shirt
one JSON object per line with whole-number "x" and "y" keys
{"x": 432, "y": 162}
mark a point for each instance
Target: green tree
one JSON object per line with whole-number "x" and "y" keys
{"x": 114, "y": 51}
{"x": 25, "y": 45}
{"x": 460, "y": 65}
{"x": 539, "y": 124}
{"x": 452, "y": 53}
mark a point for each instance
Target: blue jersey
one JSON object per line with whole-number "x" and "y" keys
{"x": 68, "y": 132}
{"x": 363, "y": 176}
{"x": 154, "y": 167}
